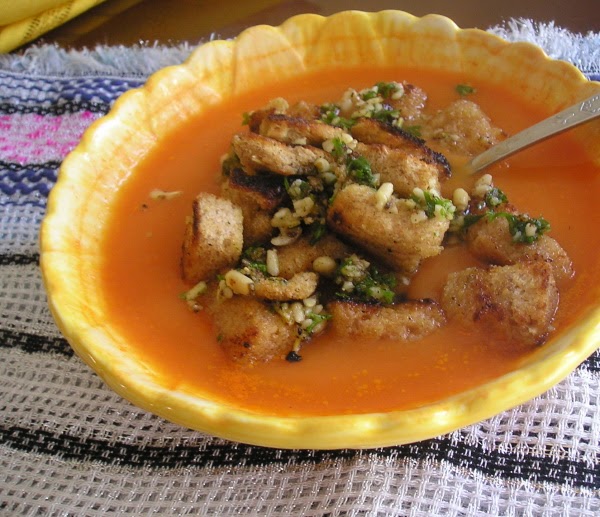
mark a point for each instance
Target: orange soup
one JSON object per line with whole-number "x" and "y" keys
{"x": 142, "y": 277}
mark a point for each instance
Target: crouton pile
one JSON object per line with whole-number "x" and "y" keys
{"x": 326, "y": 212}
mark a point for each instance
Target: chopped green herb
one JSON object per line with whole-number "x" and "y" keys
{"x": 246, "y": 118}
{"x": 330, "y": 114}
{"x": 255, "y": 253}
{"x": 523, "y": 228}
{"x": 255, "y": 259}
{"x": 361, "y": 281}
{"x": 387, "y": 89}
{"x": 429, "y": 202}
{"x": 353, "y": 268}
{"x": 465, "y": 89}
{"x": 495, "y": 197}
{"x": 298, "y": 189}
{"x": 317, "y": 232}
{"x": 470, "y": 220}
{"x": 386, "y": 115}
{"x": 329, "y": 109}
{"x": 369, "y": 94}
{"x": 413, "y": 130}
{"x": 317, "y": 319}
{"x": 339, "y": 148}
{"x": 360, "y": 171}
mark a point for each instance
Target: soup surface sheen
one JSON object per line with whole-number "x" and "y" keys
{"x": 142, "y": 280}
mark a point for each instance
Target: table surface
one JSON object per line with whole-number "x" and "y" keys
{"x": 129, "y": 22}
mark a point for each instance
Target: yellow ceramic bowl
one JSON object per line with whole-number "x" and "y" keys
{"x": 79, "y": 205}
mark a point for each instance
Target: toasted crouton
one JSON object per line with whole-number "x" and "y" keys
{"x": 250, "y": 332}
{"x": 300, "y": 255}
{"x": 401, "y": 169}
{"x": 492, "y": 242}
{"x": 301, "y": 109}
{"x": 369, "y": 131}
{"x": 305, "y": 110}
{"x": 390, "y": 235}
{"x": 411, "y": 104}
{"x": 257, "y": 116}
{"x": 297, "y": 131}
{"x": 405, "y": 321}
{"x": 256, "y": 221}
{"x": 266, "y": 190}
{"x": 518, "y": 302}
{"x": 299, "y": 287}
{"x": 464, "y": 128}
{"x": 213, "y": 238}
{"x": 257, "y": 152}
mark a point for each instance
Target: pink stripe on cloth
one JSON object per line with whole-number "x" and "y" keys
{"x": 32, "y": 138}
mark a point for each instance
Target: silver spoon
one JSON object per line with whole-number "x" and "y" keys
{"x": 584, "y": 111}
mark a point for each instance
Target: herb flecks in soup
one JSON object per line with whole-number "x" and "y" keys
{"x": 326, "y": 213}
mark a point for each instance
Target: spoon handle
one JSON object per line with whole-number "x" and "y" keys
{"x": 566, "y": 119}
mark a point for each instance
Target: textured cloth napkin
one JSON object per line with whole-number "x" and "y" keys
{"x": 70, "y": 446}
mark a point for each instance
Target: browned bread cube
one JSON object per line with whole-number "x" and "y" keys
{"x": 400, "y": 168}
{"x": 411, "y": 104}
{"x": 299, "y": 287}
{"x": 250, "y": 332}
{"x": 392, "y": 236}
{"x": 492, "y": 242}
{"x": 300, "y": 255}
{"x": 257, "y": 152}
{"x": 405, "y": 321}
{"x": 213, "y": 238}
{"x": 370, "y": 131}
{"x": 297, "y": 131}
{"x": 517, "y": 302}
{"x": 464, "y": 128}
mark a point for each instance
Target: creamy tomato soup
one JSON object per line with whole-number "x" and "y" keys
{"x": 142, "y": 277}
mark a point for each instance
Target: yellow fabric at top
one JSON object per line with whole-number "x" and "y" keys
{"x": 24, "y": 20}
{"x": 11, "y": 11}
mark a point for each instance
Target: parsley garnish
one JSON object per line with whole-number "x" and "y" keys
{"x": 369, "y": 94}
{"x": 255, "y": 258}
{"x": 317, "y": 319}
{"x": 246, "y": 118}
{"x": 298, "y": 189}
{"x": 522, "y": 227}
{"x": 317, "y": 231}
{"x": 339, "y": 148}
{"x": 428, "y": 203}
{"x": 495, "y": 197}
{"x": 465, "y": 89}
{"x": 362, "y": 281}
{"x": 470, "y": 220}
{"x": 413, "y": 130}
{"x": 360, "y": 171}
{"x": 386, "y": 89}
{"x": 386, "y": 115}
{"x": 330, "y": 114}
